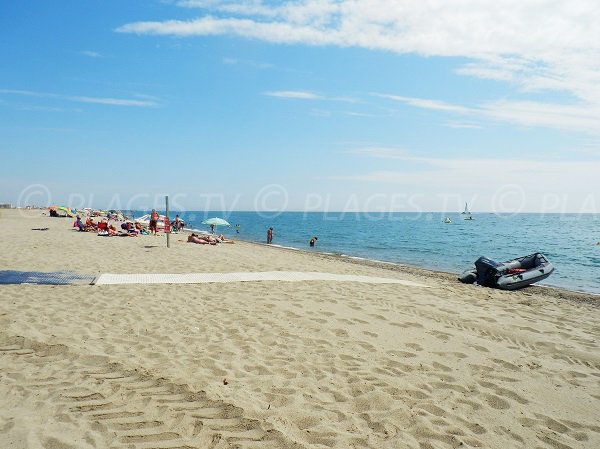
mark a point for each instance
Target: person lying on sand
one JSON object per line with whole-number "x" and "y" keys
{"x": 204, "y": 240}
{"x": 223, "y": 239}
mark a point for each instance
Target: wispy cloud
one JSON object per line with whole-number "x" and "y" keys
{"x": 320, "y": 113}
{"x": 27, "y": 93}
{"x": 246, "y": 62}
{"x": 84, "y": 99}
{"x": 459, "y": 125}
{"x": 307, "y": 95}
{"x": 301, "y": 95}
{"x": 113, "y": 101}
{"x": 364, "y": 114}
{"x": 380, "y": 152}
{"x": 91, "y": 54}
{"x": 588, "y": 149}
{"x": 427, "y": 104}
{"x": 38, "y": 108}
{"x": 537, "y": 46}
{"x": 580, "y": 116}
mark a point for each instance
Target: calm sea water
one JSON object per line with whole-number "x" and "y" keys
{"x": 423, "y": 240}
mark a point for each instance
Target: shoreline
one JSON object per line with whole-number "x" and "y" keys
{"x": 549, "y": 291}
{"x": 282, "y": 365}
{"x": 425, "y": 273}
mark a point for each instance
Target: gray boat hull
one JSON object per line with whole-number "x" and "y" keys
{"x": 511, "y": 275}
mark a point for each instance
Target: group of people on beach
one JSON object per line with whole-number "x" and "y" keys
{"x": 134, "y": 229}
{"x": 106, "y": 229}
{"x": 131, "y": 229}
{"x": 128, "y": 228}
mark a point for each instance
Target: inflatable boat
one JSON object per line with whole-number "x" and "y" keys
{"x": 510, "y": 275}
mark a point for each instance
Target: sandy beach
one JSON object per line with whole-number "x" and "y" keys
{"x": 273, "y": 364}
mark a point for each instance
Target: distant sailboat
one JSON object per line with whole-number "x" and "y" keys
{"x": 466, "y": 213}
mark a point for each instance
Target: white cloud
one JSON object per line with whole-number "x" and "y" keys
{"x": 427, "y": 104}
{"x": 581, "y": 117}
{"x": 91, "y": 54}
{"x": 148, "y": 102}
{"x": 26, "y": 93}
{"x": 293, "y": 94}
{"x": 461, "y": 125}
{"x": 364, "y": 114}
{"x": 380, "y": 152}
{"x": 245, "y": 62}
{"x": 320, "y": 113}
{"x": 534, "y": 44}
{"x": 113, "y": 101}
{"x": 40, "y": 108}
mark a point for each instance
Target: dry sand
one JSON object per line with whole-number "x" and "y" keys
{"x": 269, "y": 364}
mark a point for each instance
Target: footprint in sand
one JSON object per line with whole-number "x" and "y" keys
{"x": 480, "y": 348}
{"x": 367, "y": 346}
{"x": 496, "y": 402}
{"x": 340, "y": 332}
{"x": 444, "y": 368}
{"x": 441, "y": 335}
{"x": 378, "y": 317}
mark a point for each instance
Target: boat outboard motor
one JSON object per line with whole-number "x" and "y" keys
{"x": 487, "y": 270}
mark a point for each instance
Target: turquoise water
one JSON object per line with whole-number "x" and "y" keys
{"x": 423, "y": 240}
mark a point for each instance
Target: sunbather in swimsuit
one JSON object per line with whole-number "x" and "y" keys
{"x": 193, "y": 238}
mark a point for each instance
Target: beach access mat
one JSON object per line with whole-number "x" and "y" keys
{"x": 199, "y": 278}
{"x": 38, "y": 277}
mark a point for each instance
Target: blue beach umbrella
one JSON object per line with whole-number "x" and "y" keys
{"x": 216, "y": 222}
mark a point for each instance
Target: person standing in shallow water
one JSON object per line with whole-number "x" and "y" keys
{"x": 313, "y": 241}
{"x": 270, "y": 235}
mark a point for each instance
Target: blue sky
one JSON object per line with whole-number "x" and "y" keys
{"x": 306, "y": 105}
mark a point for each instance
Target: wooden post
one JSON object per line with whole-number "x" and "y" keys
{"x": 168, "y": 219}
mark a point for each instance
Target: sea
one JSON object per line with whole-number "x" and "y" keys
{"x": 570, "y": 241}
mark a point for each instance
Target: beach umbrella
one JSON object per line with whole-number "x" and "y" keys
{"x": 216, "y": 222}
{"x": 64, "y": 209}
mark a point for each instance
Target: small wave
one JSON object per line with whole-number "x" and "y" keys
{"x": 286, "y": 247}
